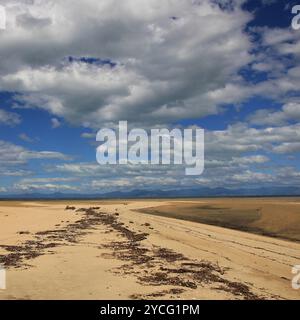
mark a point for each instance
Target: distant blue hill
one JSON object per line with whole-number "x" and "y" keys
{"x": 175, "y": 193}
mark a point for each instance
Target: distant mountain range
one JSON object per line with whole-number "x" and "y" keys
{"x": 175, "y": 193}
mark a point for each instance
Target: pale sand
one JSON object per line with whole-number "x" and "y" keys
{"x": 84, "y": 269}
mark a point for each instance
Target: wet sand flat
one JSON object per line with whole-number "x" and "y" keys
{"x": 111, "y": 250}
{"x": 276, "y": 217}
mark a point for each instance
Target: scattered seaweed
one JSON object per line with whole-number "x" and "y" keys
{"x": 155, "y": 266}
{"x": 168, "y": 255}
{"x": 70, "y": 208}
{"x": 157, "y": 294}
{"x": 23, "y": 232}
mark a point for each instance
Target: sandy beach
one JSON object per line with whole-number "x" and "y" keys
{"x": 112, "y": 250}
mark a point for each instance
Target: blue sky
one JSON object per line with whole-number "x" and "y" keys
{"x": 230, "y": 67}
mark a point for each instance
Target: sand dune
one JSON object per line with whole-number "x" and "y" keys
{"x": 108, "y": 250}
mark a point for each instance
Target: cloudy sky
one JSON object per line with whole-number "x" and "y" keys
{"x": 69, "y": 68}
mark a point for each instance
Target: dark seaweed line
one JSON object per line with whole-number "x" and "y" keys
{"x": 189, "y": 274}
